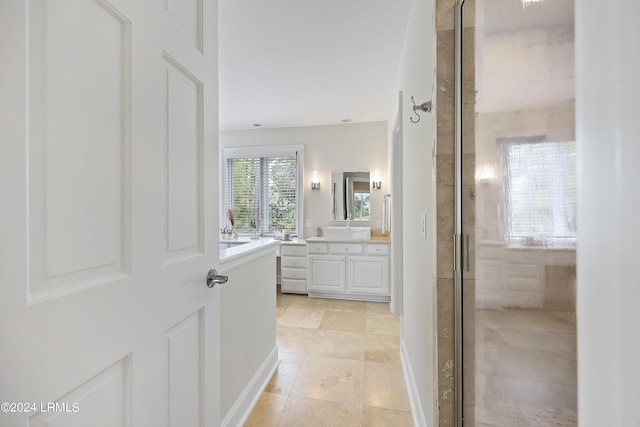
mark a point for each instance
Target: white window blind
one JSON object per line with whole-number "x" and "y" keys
{"x": 262, "y": 193}
{"x": 539, "y": 191}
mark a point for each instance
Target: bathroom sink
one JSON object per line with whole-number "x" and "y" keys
{"x": 347, "y": 233}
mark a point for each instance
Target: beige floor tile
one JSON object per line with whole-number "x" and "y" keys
{"x": 285, "y": 300}
{"x": 330, "y": 367}
{"x": 267, "y": 410}
{"x": 307, "y": 303}
{"x": 294, "y": 340}
{"x": 348, "y": 306}
{"x": 380, "y": 417}
{"x": 530, "y": 393}
{"x": 525, "y": 368}
{"x": 527, "y": 364}
{"x": 319, "y": 413}
{"x": 523, "y": 319}
{"x": 378, "y": 307}
{"x": 285, "y": 376}
{"x": 384, "y": 386}
{"x": 382, "y": 348}
{"x": 301, "y": 318}
{"x": 343, "y": 321}
{"x": 338, "y": 344}
{"x": 385, "y": 324}
{"x": 500, "y": 413}
{"x": 338, "y": 380}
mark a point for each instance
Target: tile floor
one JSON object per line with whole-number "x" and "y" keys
{"x": 525, "y": 368}
{"x": 339, "y": 366}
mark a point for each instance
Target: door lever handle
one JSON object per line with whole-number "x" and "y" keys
{"x": 213, "y": 278}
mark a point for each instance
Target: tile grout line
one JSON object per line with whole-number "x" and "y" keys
{"x": 363, "y": 360}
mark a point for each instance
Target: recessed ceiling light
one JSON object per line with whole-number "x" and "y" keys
{"x": 346, "y": 120}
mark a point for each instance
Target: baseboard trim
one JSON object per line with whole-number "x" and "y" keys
{"x": 242, "y": 407}
{"x": 412, "y": 390}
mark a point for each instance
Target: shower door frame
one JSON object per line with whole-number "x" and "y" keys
{"x": 460, "y": 246}
{"x": 461, "y": 238}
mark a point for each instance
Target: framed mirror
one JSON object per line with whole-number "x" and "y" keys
{"x": 350, "y": 196}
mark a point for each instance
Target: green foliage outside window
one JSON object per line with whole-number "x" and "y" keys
{"x": 262, "y": 193}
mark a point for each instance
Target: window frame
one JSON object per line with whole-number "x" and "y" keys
{"x": 355, "y": 196}
{"x": 296, "y": 150}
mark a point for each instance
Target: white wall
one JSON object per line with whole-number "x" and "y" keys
{"x": 419, "y": 272}
{"x": 524, "y": 69}
{"x": 351, "y": 146}
{"x": 608, "y": 134}
{"x": 248, "y": 335}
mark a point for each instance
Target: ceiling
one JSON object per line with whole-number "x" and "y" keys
{"x": 286, "y": 63}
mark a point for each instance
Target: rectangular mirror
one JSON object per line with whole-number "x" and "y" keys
{"x": 350, "y": 196}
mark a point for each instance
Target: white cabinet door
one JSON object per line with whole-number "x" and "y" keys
{"x": 108, "y": 177}
{"x": 326, "y": 273}
{"x": 368, "y": 275}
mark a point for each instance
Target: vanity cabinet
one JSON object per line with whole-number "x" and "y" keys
{"x": 368, "y": 275}
{"x": 293, "y": 267}
{"x": 348, "y": 270}
{"x": 326, "y": 273}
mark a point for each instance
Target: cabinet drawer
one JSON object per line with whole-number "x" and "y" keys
{"x": 293, "y": 273}
{"x": 377, "y": 249}
{"x": 346, "y": 248}
{"x": 317, "y": 248}
{"x": 292, "y": 285}
{"x": 294, "y": 261}
{"x": 293, "y": 250}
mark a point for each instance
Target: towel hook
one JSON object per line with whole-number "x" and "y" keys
{"x": 425, "y": 106}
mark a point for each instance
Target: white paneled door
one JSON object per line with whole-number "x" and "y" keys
{"x": 108, "y": 217}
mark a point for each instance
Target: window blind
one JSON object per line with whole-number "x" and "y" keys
{"x": 539, "y": 190}
{"x": 262, "y": 192}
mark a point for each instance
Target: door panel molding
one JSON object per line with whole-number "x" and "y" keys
{"x": 183, "y": 167}
{"x": 80, "y": 221}
{"x": 105, "y": 399}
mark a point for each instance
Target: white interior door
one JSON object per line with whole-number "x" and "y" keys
{"x": 108, "y": 168}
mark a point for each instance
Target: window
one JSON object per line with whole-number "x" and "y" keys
{"x": 540, "y": 191}
{"x": 361, "y": 201}
{"x": 262, "y": 188}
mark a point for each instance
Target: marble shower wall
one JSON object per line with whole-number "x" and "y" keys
{"x": 445, "y": 197}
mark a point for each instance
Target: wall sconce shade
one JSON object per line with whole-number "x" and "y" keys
{"x": 376, "y": 182}
{"x": 485, "y": 173}
{"x": 315, "y": 184}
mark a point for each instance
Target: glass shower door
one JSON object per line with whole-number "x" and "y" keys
{"x": 518, "y": 213}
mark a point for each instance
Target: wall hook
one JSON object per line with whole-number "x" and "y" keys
{"x": 425, "y": 106}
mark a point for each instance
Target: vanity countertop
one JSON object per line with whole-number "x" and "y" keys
{"x": 245, "y": 251}
{"x": 373, "y": 239}
{"x": 294, "y": 241}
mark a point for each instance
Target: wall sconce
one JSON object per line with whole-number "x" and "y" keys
{"x": 485, "y": 173}
{"x": 315, "y": 184}
{"x": 376, "y": 183}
